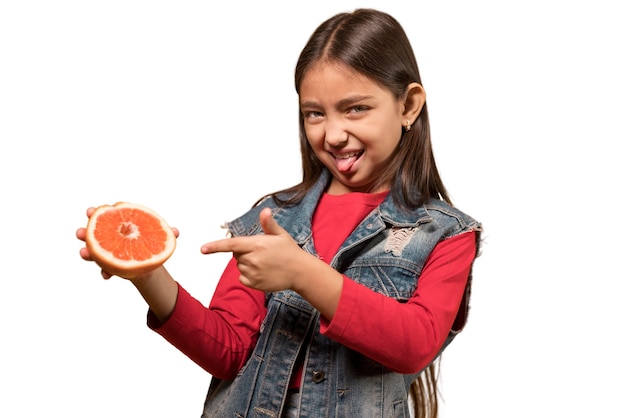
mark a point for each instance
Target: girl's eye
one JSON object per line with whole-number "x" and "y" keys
{"x": 359, "y": 109}
{"x": 312, "y": 114}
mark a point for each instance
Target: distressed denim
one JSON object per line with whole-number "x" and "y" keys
{"x": 386, "y": 253}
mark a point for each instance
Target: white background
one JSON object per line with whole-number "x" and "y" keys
{"x": 189, "y": 108}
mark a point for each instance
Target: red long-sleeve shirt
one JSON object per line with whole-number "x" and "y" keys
{"x": 402, "y": 336}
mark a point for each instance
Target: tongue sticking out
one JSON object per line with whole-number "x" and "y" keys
{"x": 345, "y": 164}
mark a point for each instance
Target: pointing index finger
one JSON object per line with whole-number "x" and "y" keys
{"x": 220, "y": 246}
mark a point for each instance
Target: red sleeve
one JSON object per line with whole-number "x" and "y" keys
{"x": 406, "y": 337}
{"x": 221, "y": 337}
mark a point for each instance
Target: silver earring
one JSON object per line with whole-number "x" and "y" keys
{"x": 408, "y": 125}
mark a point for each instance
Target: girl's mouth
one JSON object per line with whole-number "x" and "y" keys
{"x": 346, "y": 161}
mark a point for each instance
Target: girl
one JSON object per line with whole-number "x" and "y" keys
{"x": 343, "y": 289}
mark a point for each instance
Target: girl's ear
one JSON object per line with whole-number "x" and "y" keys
{"x": 414, "y": 102}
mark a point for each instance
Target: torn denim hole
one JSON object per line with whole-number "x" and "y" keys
{"x": 398, "y": 239}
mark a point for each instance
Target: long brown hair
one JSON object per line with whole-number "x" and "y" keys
{"x": 374, "y": 44}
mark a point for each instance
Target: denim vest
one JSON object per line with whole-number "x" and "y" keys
{"x": 386, "y": 253}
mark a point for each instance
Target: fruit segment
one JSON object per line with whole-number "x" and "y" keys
{"x": 130, "y": 234}
{"x": 128, "y": 239}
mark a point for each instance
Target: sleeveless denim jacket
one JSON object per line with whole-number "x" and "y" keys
{"x": 386, "y": 253}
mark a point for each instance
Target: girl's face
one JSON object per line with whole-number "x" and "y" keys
{"x": 352, "y": 124}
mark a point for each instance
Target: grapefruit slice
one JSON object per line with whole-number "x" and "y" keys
{"x": 128, "y": 240}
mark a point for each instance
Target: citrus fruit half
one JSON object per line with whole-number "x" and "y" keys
{"x": 128, "y": 240}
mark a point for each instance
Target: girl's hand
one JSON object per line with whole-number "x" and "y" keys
{"x": 269, "y": 262}
{"x": 84, "y": 252}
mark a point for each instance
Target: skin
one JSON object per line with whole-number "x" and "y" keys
{"x": 345, "y": 114}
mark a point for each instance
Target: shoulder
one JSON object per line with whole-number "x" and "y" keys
{"x": 453, "y": 220}
{"x": 290, "y": 216}
{"x": 248, "y": 223}
{"x": 439, "y": 209}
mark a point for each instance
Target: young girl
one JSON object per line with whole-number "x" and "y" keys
{"x": 343, "y": 289}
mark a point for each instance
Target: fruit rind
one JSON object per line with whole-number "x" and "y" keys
{"x": 126, "y": 268}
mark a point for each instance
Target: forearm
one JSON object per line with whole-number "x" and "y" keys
{"x": 320, "y": 285}
{"x": 220, "y": 337}
{"x": 401, "y": 336}
{"x": 159, "y": 290}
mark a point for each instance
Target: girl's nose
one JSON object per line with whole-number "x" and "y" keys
{"x": 337, "y": 142}
{"x": 336, "y": 136}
